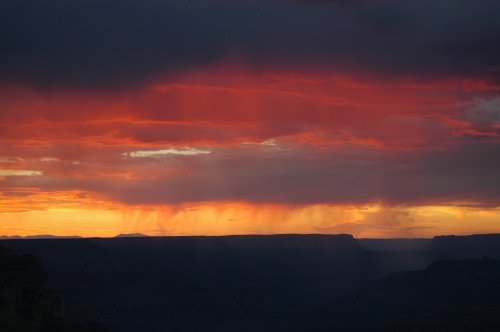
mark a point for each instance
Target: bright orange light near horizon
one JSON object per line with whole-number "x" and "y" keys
{"x": 229, "y": 218}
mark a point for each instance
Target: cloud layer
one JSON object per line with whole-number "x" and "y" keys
{"x": 164, "y": 103}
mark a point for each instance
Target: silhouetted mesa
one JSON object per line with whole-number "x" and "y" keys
{"x": 131, "y": 235}
{"x": 471, "y": 246}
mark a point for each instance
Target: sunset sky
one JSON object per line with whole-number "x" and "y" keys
{"x": 377, "y": 118}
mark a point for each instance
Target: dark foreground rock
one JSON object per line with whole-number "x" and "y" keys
{"x": 272, "y": 283}
{"x": 26, "y": 303}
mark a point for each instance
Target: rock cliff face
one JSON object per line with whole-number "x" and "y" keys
{"x": 451, "y": 295}
{"x": 25, "y": 302}
{"x": 471, "y": 246}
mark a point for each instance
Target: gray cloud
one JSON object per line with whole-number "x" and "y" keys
{"x": 464, "y": 175}
{"x": 485, "y": 111}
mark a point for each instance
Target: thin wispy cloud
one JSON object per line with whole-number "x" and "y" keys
{"x": 49, "y": 159}
{"x": 165, "y": 152}
{"x": 19, "y": 172}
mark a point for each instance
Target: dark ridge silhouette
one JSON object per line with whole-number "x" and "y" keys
{"x": 271, "y": 283}
{"x": 43, "y": 236}
{"x": 471, "y": 246}
{"x": 452, "y": 295}
{"x": 243, "y": 283}
{"x": 131, "y": 235}
{"x": 448, "y": 281}
{"x": 13, "y": 237}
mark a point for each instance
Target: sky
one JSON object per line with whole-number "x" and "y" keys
{"x": 377, "y": 118}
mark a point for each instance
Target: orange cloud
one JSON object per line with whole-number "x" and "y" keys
{"x": 220, "y": 107}
{"x": 283, "y": 152}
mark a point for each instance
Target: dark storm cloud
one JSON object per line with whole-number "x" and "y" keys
{"x": 337, "y": 2}
{"x": 119, "y": 42}
{"x": 468, "y": 173}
